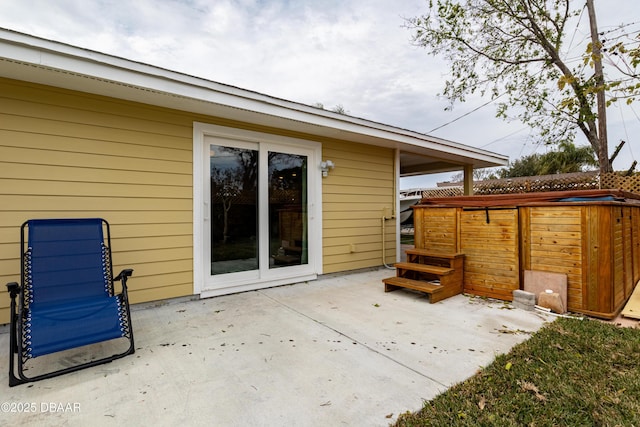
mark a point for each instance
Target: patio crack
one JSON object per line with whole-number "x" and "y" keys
{"x": 367, "y": 346}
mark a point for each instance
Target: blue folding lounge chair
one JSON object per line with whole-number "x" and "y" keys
{"x": 67, "y": 295}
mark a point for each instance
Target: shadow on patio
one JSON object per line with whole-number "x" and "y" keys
{"x": 335, "y": 351}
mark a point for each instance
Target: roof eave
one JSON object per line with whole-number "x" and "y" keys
{"x": 56, "y": 64}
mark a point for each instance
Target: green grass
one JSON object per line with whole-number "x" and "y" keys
{"x": 406, "y": 239}
{"x": 570, "y": 373}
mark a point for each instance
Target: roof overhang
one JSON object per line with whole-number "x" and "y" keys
{"x": 32, "y": 59}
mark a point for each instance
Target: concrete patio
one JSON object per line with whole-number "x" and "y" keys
{"x": 337, "y": 351}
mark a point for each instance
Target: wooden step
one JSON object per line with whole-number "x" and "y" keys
{"x": 430, "y": 253}
{"x": 423, "y": 268}
{"x": 393, "y": 283}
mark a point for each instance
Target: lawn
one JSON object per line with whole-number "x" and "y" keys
{"x": 406, "y": 239}
{"x": 570, "y": 373}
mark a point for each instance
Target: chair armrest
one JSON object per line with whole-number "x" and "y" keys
{"x": 127, "y": 272}
{"x": 13, "y": 288}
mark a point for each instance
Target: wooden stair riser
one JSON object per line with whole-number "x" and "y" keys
{"x": 417, "y": 274}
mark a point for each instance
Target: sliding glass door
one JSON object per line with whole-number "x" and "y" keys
{"x": 234, "y": 208}
{"x": 288, "y": 234}
{"x": 257, "y": 213}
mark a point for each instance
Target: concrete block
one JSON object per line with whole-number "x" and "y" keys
{"x": 524, "y": 300}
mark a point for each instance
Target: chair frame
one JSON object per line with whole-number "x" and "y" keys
{"x": 18, "y": 312}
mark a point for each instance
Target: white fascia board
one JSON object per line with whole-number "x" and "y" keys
{"x": 144, "y": 83}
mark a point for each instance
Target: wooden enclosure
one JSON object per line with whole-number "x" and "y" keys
{"x": 591, "y": 236}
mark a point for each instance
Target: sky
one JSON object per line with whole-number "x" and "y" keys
{"x": 356, "y": 54}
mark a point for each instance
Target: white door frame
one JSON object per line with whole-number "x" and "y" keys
{"x": 201, "y": 248}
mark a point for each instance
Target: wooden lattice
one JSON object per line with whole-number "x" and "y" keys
{"x": 543, "y": 183}
{"x": 536, "y": 184}
{"x": 442, "y": 192}
{"x": 621, "y": 182}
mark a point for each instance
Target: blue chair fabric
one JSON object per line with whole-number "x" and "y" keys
{"x": 67, "y": 295}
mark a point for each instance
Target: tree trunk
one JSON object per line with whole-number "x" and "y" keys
{"x": 603, "y": 148}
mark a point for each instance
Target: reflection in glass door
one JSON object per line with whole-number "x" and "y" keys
{"x": 234, "y": 209}
{"x": 257, "y": 210}
{"x": 288, "y": 225}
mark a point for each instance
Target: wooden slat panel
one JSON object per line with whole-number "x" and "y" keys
{"x": 563, "y": 229}
{"x": 627, "y": 251}
{"x": 437, "y": 229}
{"x": 555, "y": 244}
{"x": 635, "y": 244}
{"x": 494, "y": 245}
{"x": 590, "y": 288}
{"x": 605, "y": 263}
{"x": 618, "y": 256}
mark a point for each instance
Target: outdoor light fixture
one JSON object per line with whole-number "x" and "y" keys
{"x": 325, "y": 166}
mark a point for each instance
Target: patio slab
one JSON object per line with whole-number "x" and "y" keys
{"x": 336, "y": 351}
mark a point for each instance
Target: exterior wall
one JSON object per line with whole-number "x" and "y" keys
{"x": 356, "y": 194}
{"x": 68, "y": 154}
{"x": 71, "y": 154}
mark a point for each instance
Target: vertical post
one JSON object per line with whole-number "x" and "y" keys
{"x": 468, "y": 180}
{"x": 396, "y": 196}
{"x": 596, "y": 54}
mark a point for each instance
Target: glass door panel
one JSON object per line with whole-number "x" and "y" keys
{"x": 234, "y": 209}
{"x": 288, "y": 224}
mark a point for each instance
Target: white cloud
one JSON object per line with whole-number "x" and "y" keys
{"x": 355, "y": 53}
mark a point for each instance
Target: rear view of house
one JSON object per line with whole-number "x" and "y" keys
{"x": 209, "y": 189}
